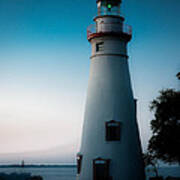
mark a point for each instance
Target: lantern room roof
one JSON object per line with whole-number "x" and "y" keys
{"x": 113, "y": 1}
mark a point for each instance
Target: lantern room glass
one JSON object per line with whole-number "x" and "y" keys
{"x": 108, "y": 8}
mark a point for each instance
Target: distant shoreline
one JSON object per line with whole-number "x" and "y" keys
{"x": 37, "y": 166}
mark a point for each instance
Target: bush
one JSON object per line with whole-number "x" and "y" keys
{"x": 15, "y": 176}
{"x": 36, "y": 178}
{"x": 172, "y": 178}
{"x": 156, "y": 178}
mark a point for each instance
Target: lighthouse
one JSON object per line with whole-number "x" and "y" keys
{"x": 110, "y": 147}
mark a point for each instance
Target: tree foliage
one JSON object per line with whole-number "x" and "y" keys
{"x": 165, "y": 141}
{"x": 149, "y": 159}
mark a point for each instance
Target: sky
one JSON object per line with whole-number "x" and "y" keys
{"x": 44, "y": 67}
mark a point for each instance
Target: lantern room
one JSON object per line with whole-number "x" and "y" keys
{"x": 108, "y": 7}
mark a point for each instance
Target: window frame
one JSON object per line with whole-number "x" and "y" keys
{"x": 117, "y": 131}
{"x": 99, "y": 46}
{"x": 79, "y": 158}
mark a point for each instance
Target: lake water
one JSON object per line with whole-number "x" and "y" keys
{"x": 69, "y": 173}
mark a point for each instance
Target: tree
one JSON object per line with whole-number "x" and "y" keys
{"x": 178, "y": 75}
{"x": 165, "y": 141}
{"x": 149, "y": 159}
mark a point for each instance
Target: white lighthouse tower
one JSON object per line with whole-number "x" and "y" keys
{"x": 110, "y": 148}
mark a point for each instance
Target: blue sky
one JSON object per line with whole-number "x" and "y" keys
{"x": 44, "y": 66}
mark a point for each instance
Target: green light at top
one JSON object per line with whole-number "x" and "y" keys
{"x": 109, "y": 6}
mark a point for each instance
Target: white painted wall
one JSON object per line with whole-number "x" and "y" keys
{"x": 110, "y": 97}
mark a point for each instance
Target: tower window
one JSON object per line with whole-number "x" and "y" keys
{"x": 79, "y": 163}
{"x": 99, "y": 46}
{"x": 113, "y": 130}
{"x": 101, "y": 169}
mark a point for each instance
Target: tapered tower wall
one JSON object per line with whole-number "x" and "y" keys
{"x": 110, "y": 99}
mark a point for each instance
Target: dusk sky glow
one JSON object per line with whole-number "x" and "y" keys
{"x": 44, "y": 66}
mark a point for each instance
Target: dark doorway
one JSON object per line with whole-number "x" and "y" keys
{"x": 101, "y": 169}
